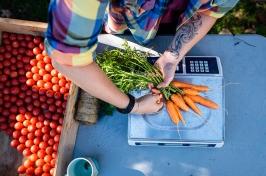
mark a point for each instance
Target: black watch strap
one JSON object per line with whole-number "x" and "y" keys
{"x": 129, "y": 107}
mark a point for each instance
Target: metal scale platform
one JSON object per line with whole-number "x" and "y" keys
{"x": 206, "y": 131}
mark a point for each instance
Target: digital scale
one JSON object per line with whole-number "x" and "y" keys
{"x": 205, "y": 131}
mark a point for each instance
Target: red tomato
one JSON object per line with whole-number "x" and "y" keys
{"x": 57, "y": 138}
{"x": 42, "y": 72}
{"x": 52, "y": 171}
{"x": 48, "y": 67}
{"x": 41, "y": 154}
{"x": 37, "y": 103}
{"x": 24, "y": 131}
{"x": 47, "y": 77}
{"x": 18, "y": 126}
{"x": 40, "y": 162}
{"x": 29, "y": 53}
{"x": 40, "y": 83}
{"x": 57, "y": 96}
{"x": 31, "y": 136}
{"x": 31, "y": 45}
{"x": 56, "y": 88}
{"x": 33, "y": 157}
{"x": 47, "y": 59}
{"x": 26, "y": 123}
{"x": 20, "y": 118}
{"x": 48, "y": 85}
{"x": 50, "y": 93}
{"x": 46, "y": 167}
{"x": 21, "y": 169}
{"x": 43, "y": 145}
{"x": 34, "y": 69}
{"x": 29, "y": 143}
{"x": 42, "y": 91}
{"x": 62, "y": 82}
{"x": 37, "y": 50}
{"x": 48, "y": 158}
{"x": 37, "y": 40}
{"x": 38, "y": 133}
{"x": 63, "y": 90}
{"x": 54, "y": 73}
{"x": 39, "y": 57}
{"x": 52, "y": 108}
{"x": 46, "y": 137}
{"x": 39, "y": 125}
{"x": 14, "y": 143}
{"x": 40, "y": 64}
{"x": 21, "y": 147}
{"x": 52, "y": 132}
{"x": 51, "y": 142}
{"x": 31, "y": 128}
{"x": 37, "y": 140}
{"x": 54, "y": 155}
{"x": 55, "y": 80}
{"x": 26, "y": 152}
{"x": 36, "y": 77}
{"x": 44, "y": 53}
{"x": 38, "y": 171}
{"x": 41, "y": 46}
{"x": 49, "y": 150}
{"x": 15, "y": 44}
{"x": 34, "y": 148}
{"x": 30, "y": 171}
{"x": 22, "y": 139}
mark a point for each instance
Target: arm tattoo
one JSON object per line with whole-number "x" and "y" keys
{"x": 185, "y": 33}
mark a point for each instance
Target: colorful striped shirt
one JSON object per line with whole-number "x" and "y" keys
{"x": 74, "y": 25}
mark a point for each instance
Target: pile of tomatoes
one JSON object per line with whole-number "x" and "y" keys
{"x": 33, "y": 98}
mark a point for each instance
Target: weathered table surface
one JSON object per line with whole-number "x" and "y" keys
{"x": 244, "y": 153}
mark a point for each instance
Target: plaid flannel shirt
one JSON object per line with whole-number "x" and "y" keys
{"x": 73, "y": 27}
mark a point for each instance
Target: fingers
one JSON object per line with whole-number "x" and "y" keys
{"x": 150, "y": 85}
{"x": 155, "y": 91}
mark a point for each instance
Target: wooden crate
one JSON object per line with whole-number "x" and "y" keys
{"x": 70, "y": 126}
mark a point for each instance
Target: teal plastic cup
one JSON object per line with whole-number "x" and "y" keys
{"x": 83, "y": 167}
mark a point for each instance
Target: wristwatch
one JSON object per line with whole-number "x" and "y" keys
{"x": 130, "y": 105}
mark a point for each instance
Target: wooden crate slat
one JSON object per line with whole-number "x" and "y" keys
{"x": 68, "y": 137}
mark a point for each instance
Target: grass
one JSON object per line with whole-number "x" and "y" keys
{"x": 247, "y": 17}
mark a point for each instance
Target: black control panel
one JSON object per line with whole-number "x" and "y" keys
{"x": 195, "y": 65}
{"x": 201, "y": 65}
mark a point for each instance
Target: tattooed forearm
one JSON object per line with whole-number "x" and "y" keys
{"x": 185, "y": 34}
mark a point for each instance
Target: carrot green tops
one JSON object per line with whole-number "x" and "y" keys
{"x": 74, "y": 25}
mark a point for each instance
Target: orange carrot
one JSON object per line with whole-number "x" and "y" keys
{"x": 201, "y": 88}
{"x": 189, "y": 91}
{"x": 179, "y": 84}
{"x": 171, "y": 109}
{"x": 178, "y": 100}
{"x": 192, "y": 105}
{"x": 180, "y": 115}
{"x": 204, "y": 101}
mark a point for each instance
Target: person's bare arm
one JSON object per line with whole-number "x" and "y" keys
{"x": 185, "y": 38}
{"x": 94, "y": 81}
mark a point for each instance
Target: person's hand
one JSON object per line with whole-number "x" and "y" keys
{"x": 147, "y": 104}
{"x": 167, "y": 65}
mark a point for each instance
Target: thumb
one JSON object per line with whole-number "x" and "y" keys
{"x": 165, "y": 83}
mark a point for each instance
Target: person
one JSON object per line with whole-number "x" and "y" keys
{"x": 73, "y": 27}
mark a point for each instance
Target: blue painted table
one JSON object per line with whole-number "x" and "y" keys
{"x": 244, "y": 153}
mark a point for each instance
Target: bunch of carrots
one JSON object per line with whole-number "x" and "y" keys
{"x": 187, "y": 98}
{"x": 130, "y": 69}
